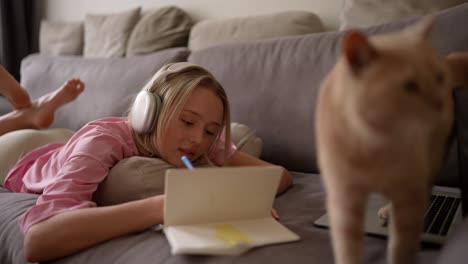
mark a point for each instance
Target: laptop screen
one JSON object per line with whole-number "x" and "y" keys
{"x": 461, "y": 126}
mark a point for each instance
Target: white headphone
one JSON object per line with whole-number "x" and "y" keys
{"x": 147, "y": 105}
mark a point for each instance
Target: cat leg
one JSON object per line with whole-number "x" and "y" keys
{"x": 406, "y": 224}
{"x": 384, "y": 214}
{"x": 346, "y": 207}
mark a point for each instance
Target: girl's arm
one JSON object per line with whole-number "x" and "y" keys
{"x": 240, "y": 158}
{"x": 69, "y": 232}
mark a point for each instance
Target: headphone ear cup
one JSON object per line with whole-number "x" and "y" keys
{"x": 145, "y": 112}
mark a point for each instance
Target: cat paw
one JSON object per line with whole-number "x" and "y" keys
{"x": 384, "y": 215}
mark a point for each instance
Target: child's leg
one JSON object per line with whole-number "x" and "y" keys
{"x": 16, "y": 144}
{"x": 11, "y": 89}
{"x": 41, "y": 112}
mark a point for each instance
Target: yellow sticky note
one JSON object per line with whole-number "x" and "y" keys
{"x": 230, "y": 235}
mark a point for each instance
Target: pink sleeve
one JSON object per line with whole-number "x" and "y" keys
{"x": 68, "y": 179}
{"x": 216, "y": 153}
{"x": 71, "y": 189}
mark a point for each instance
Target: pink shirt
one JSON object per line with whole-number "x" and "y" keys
{"x": 67, "y": 175}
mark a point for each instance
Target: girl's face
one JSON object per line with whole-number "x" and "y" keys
{"x": 196, "y": 128}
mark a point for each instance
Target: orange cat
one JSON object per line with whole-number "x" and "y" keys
{"x": 384, "y": 115}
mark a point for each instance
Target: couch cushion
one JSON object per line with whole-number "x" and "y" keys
{"x": 5, "y": 105}
{"x": 273, "y": 84}
{"x": 61, "y": 38}
{"x": 364, "y": 13}
{"x": 111, "y": 83}
{"x": 106, "y": 35}
{"x": 215, "y": 31}
{"x": 16, "y": 144}
{"x": 298, "y": 208}
{"x": 454, "y": 250}
{"x": 461, "y": 118}
{"x": 12, "y": 206}
{"x": 159, "y": 29}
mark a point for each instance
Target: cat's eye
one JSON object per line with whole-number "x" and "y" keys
{"x": 411, "y": 86}
{"x": 440, "y": 77}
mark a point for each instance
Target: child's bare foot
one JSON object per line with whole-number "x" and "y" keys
{"x": 11, "y": 89}
{"x": 43, "y": 109}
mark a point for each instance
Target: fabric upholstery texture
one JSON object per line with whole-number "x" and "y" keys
{"x": 111, "y": 84}
{"x": 5, "y": 105}
{"x": 364, "y": 13}
{"x": 215, "y": 31}
{"x": 291, "y": 70}
{"x": 106, "y": 35}
{"x": 454, "y": 251}
{"x": 132, "y": 179}
{"x": 159, "y": 29}
{"x": 298, "y": 208}
{"x": 461, "y": 125}
{"x": 12, "y": 206}
{"x": 61, "y": 38}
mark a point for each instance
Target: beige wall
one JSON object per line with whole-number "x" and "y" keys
{"x": 74, "y": 10}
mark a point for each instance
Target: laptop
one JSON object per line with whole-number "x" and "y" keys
{"x": 442, "y": 216}
{"x": 448, "y": 206}
{"x": 222, "y": 211}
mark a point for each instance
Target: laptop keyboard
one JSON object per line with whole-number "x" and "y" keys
{"x": 440, "y": 214}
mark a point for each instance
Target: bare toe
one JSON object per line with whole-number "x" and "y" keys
{"x": 71, "y": 89}
{"x": 68, "y": 92}
{"x": 46, "y": 105}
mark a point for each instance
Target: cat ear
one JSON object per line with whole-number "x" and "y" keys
{"x": 358, "y": 50}
{"x": 423, "y": 28}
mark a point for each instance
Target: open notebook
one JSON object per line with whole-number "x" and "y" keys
{"x": 222, "y": 211}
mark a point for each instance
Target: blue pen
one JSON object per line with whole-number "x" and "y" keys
{"x": 187, "y": 162}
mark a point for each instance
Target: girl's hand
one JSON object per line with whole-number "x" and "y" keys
{"x": 274, "y": 213}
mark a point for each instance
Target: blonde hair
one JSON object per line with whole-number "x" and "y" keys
{"x": 174, "y": 90}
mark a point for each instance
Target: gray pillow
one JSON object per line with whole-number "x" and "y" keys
{"x": 246, "y": 139}
{"x": 61, "y": 38}
{"x": 216, "y": 31}
{"x": 364, "y": 13}
{"x": 140, "y": 177}
{"x": 16, "y": 144}
{"x": 162, "y": 28}
{"x": 132, "y": 179}
{"x": 107, "y": 35}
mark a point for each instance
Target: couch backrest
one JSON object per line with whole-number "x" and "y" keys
{"x": 111, "y": 83}
{"x": 273, "y": 84}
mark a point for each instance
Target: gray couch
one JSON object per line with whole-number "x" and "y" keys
{"x": 272, "y": 86}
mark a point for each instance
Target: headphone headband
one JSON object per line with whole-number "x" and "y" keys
{"x": 170, "y": 69}
{"x": 148, "y": 104}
